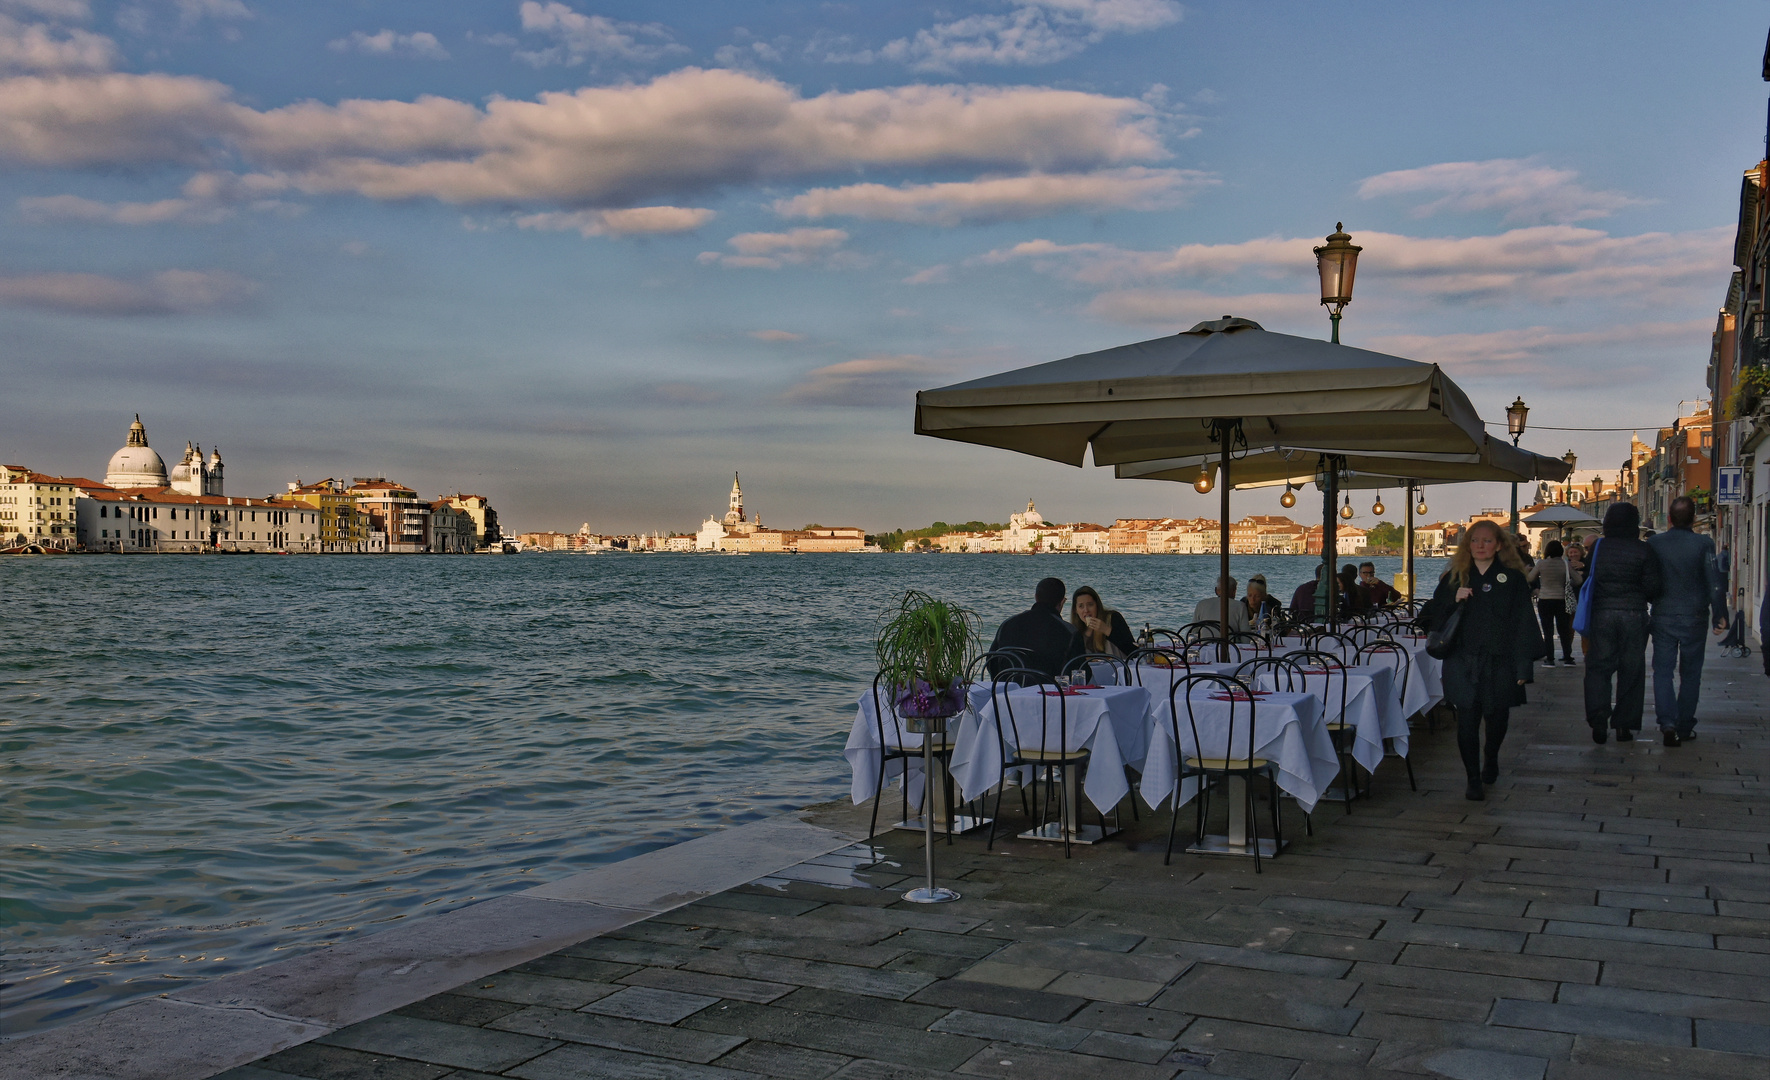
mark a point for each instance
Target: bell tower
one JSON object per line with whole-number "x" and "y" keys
{"x": 734, "y": 514}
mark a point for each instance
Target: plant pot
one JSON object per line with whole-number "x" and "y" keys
{"x": 926, "y": 710}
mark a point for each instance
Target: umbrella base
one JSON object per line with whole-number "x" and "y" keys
{"x": 1221, "y": 845}
{"x": 1082, "y": 834}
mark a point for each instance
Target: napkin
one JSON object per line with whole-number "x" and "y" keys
{"x": 1086, "y": 686}
{"x": 1237, "y": 697}
{"x": 1071, "y": 692}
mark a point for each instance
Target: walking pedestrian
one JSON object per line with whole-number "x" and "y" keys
{"x": 1623, "y": 573}
{"x": 1494, "y": 645}
{"x": 1693, "y": 594}
{"x": 1555, "y": 578}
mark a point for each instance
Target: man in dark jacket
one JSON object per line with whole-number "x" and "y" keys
{"x": 1625, "y": 573}
{"x": 1692, "y": 598}
{"x": 1049, "y": 642}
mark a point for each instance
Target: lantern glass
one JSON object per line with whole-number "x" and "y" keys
{"x": 1515, "y": 414}
{"x": 1377, "y": 508}
{"x": 1346, "y": 510}
{"x": 1337, "y": 262}
{"x": 1571, "y": 461}
{"x": 1288, "y": 499}
{"x": 1421, "y": 509}
{"x": 1203, "y": 484}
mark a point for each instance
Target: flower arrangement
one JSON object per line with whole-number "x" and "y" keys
{"x": 925, "y": 646}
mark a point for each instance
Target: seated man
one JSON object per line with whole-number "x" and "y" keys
{"x": 1049, "y": 642}
{"x": 1378, "y": 592}
{"x": 1208, "y": 609}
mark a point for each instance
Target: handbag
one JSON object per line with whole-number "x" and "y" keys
{"x": 1569, "y": 591}
{"x": 1440, "y": 642}
{"x": 1582, "y": 612}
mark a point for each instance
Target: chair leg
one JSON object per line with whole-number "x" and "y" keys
{"x": 1135, "y": 816}
{"x": 993, "y": 818}
{"x": 878, "y": 796}
{"x": 1408, "y": 760}
{"x": 1277, "y": 824}
{"x": 1253, "y": 818}
{"x": 1173, "y": 822}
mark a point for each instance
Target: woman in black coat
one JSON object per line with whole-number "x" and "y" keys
{"x": 1495, "y": 644}
{"x": 1624, "y": 574}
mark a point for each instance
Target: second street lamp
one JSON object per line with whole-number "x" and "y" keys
{"x": 1570, "y": 460}
{"x": 1337, "y": 260}
{"x": 1515, "y": 415}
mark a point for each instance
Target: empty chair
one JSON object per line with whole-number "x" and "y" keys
{"x": 1220, "y": 751}
{"x": 1394, "y": 656}
{"x": 1027, "y": 738}
{"x": 1316, "y": 664}
{"x": 893, "y": 747}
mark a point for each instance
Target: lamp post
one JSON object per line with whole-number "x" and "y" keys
{"x": 1515, "y": 414}
{"x": 1570, "y": 460}
{"x": 1337, "y": 260}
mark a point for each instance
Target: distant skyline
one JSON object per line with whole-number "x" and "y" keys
{"x": 588, "y": 259}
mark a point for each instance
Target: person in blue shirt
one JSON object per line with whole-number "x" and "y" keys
{"x": 1692, "y": 598}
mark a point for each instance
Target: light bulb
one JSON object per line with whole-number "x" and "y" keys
{"x": 1377, "y": 507}
{"x": 1203, "y": 483}
{"x": 1346, "y": 511}
{"x": 1421, "y": 509}
{"x": 1288, "y": 499}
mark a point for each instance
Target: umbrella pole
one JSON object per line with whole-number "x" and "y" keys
{"x": 1223, "y": 550}
{"x": 1407, "y": 539}
{"x": 1330, "y": 541}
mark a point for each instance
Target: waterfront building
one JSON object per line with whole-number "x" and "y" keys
{"x": 342, "y": 528}
{"x": 485, "y": 519}
{"x": 163, "y": 520}
{"x": 827, "y": 538}
{"x": 452, "y": 531}
{"x": 138, "y": 465}
{"x": 40, "y": 509}
{"x": 1088, "y": 538}
{"x": 1348, "y": 540}
{"x": 545, "y": 541}
{"x": 398, "y": 520}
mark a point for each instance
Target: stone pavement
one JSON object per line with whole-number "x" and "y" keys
{"x": 1606, "y": 913}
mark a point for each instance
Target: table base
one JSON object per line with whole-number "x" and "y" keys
{"x": 936, "y": 895}
{"x": 1336, "y": 792}
{"x": 1221, "y": 845}
{"x": 961, "y": 824}
{"x": 1081, "y": 834}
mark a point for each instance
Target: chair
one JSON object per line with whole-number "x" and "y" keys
{"x": 892, "y": 748}
{"x": 1156, "y": 635}
{"x": 1040, "y": 753}
{"x": 1085, "y": 664}
{"x": 1324, "y": 640}
{"x": 1360, "y": 636}
{"x": 1233, "y": 761}
{"x": 1284, "y": 675}
{"x": 1396, "y": 657}
{"x": 1330, "y": 668}
{"x": 999, "y": 659}
{"x": 1195, "y": 632}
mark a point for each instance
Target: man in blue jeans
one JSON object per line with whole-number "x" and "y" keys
{"x": 1693, "y": 598}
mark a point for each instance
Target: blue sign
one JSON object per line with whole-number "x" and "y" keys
{"x": 1729, "y": 484}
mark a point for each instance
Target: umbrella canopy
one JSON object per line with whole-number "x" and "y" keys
{"x": 1560, "y": 514}
{"x": 1495, "y": 460}
{"x": 1153, "y": 401}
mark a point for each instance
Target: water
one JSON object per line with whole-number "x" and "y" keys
{"x": 209, "y": 763}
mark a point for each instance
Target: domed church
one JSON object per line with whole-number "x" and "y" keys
{"x": 138, "y": 465}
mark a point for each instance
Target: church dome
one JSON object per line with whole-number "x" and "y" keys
{"x": 136, "y": 465}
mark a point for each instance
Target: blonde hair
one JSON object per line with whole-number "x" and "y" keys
{"x": 1463, "y": 561}
{"x": 1095, "y": 642}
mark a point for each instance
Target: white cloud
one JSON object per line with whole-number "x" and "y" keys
{"x": 1184, "y": 308}
{"x": 40, "y": 48}
{"x": 773, "y": 250}
{"x": 1523, "y": 351}
{"x": 776, "y": 335}
{"x": 873, "y": 380}
{"x": 591, "y": 37}
{"x": 628, "y": 222}
{"x": 110, "y": 120}
{"x": 934, "y": 275}
{"x": 1540, "y": 263}
{"x": 387, "y": 43}
{"x": 1001, "y": 198}
{"x": 1033, "y": 32}
{"x": 168, "y": 292}
{"x": 1528, "y": 192}
{"x": 207, "y": 197}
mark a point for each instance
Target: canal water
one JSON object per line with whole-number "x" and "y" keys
{"x": 211, "y": 763}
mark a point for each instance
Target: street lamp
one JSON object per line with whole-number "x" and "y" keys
{"x": 1515, "y": 414}
{"x": 1337, "y": 260}
{"x": 1570, "y": 460}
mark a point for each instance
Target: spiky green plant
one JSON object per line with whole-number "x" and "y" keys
{"x": 925, "y": 645}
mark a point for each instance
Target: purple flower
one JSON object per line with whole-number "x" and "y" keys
{"x": 922, "y": 700}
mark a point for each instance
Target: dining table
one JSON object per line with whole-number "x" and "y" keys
{"x": 866, "y": 758}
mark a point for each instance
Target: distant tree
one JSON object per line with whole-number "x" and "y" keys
{"x": 1385, "y": 535}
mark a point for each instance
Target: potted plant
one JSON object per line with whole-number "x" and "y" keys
{"x": 925, "y": 647}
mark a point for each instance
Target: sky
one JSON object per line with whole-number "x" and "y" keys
{"x": 589, "y": 259}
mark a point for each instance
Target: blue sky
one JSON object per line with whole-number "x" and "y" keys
{"x": 587, "y": 259}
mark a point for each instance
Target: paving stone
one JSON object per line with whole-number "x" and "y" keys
{"x": 1211, "y": 1033}
{"x": 854, "y": 1038}
{"x": 1543, "y": 909}
{"x": 1640, "y": 901}
{"x": 623, "y": 957}
{"x": 1472, "y": 903}
{"x": 1465, "y": 984}
{"x": 1543, "y": 968}
{"x": 1405, "y": 1001}
{"x": 858, "y": 1007}
{"x": 1636, "y": 952}
{"x": 941, "y": 967}
{"x": 1704, "y": 924}
{"x": 1674, "y": 980}
{"x": 1670, "y": 1004}
{"x": 1000, "y": 1000}
{"x": 1465, "y": 1064}
{"x": 1244, "y": 1065}
{"x": 1456, "y": 937}
{"x": 942, "y": 944}
{"x": 1016, "y": 976}
{"x": 805, "y": 948}
{"x": 1105, "y": 988}
{"x": 1250, "y": 958}
{"x": 573, "y": 1062}
{"x": 439, "y": 1043}
{"x": 1592, "y": 1020}
{"x": 253, "y": 1072}
{"x": 457, "y": 1009}
{"x": 1131, "y": 1020}
{"x": 700, "y": 982}
{"x": 855, "y": 980}
{"x": 884, "y": 1070}
{"x": 1112, "y": 1044}
{"x": 1156, "y": 969}
{"x": 1335, "y": 947}
{"x": 1012, "y": 1030}
{"x": 1734, "y": 1038}
{"x": 770, "y": 905}
{"x": 650, "y": 1004}
{"x": 319, "y": 1060}
{"x": 617, "y": 1033}
{"x": 1019, "y": 1062}
{"x": 525, "y": 989}
{"x": 1628, "y": 1058}
{"x": 1479, "y": 920}
{"x": 782, "y": 1061}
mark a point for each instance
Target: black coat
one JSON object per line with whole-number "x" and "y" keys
{"x": 1496, "y": 641}
{"x": 1625, "y": 572}
{"x": 1051, "y": 643}
{"x": 1120, "y": 635}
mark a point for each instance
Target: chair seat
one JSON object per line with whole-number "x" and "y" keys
{"x": 1051, "y": 755}
{"x": 941, "y": 746}
{"x": 1226, "y": 763}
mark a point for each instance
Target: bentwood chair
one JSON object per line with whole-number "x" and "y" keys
{"x": 1282, "y": 672}
{"x": 1226, "y": 757}
{"x": 1328, "y": 666}
{"x": 1035, "y": 745}
{"x": 1394, "y": 655}
{"x": 1169, "y": 638}
{"x": 890, "y": 730}
{"x": 1360, "y": 636}
{"x": 1194, "y": 632}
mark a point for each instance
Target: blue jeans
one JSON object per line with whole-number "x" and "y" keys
{"x": 1680, "y": 641}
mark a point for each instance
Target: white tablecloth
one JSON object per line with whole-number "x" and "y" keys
{"x": 1288, "y": 731}
{"x": 1372, "y": 708}
{"x": 1425, "y": 676}
{"x": 1112, "y": 723}
{"x": 863, "y": 749}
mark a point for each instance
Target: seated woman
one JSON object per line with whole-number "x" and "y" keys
{"x": 1102, "y": 630}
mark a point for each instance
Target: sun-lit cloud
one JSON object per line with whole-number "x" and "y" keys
{"x": 1527, "y": 191}
{"x": 1032, "y": 32}
{"x": 1001, "y": 198}
{"x": 773, "y": 250}
{"x": 873, "y": 380}
{"x": 776, "y": 335}
{"x": 168, "y": 292}
{"x": 580, "y": 37}
{"x": 206, "y": 198}
{"x": 37, "y": 47}
{"x": 112, "y": 120}
{"x": 1522, "y": 351}
{"x": 938, "y": 274}
{"x": 632, "y": 221}
{"x": 420, "y": 43}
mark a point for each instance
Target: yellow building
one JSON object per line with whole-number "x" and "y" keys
{"x": 39, "y": 509}
{"x": 485, "y": 519}
{"x": 342, "y": 528}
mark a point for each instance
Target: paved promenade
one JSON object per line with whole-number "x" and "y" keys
{"x": 1606, "y": 913}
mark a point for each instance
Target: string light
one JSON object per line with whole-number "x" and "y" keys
{"x": 1288, "y": 499}
{"x": 1203, "y": 484}
{"x": 1346, "y": 511}
{"x": 1421, "y": 509}
{"x": 1377, "y": 507}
